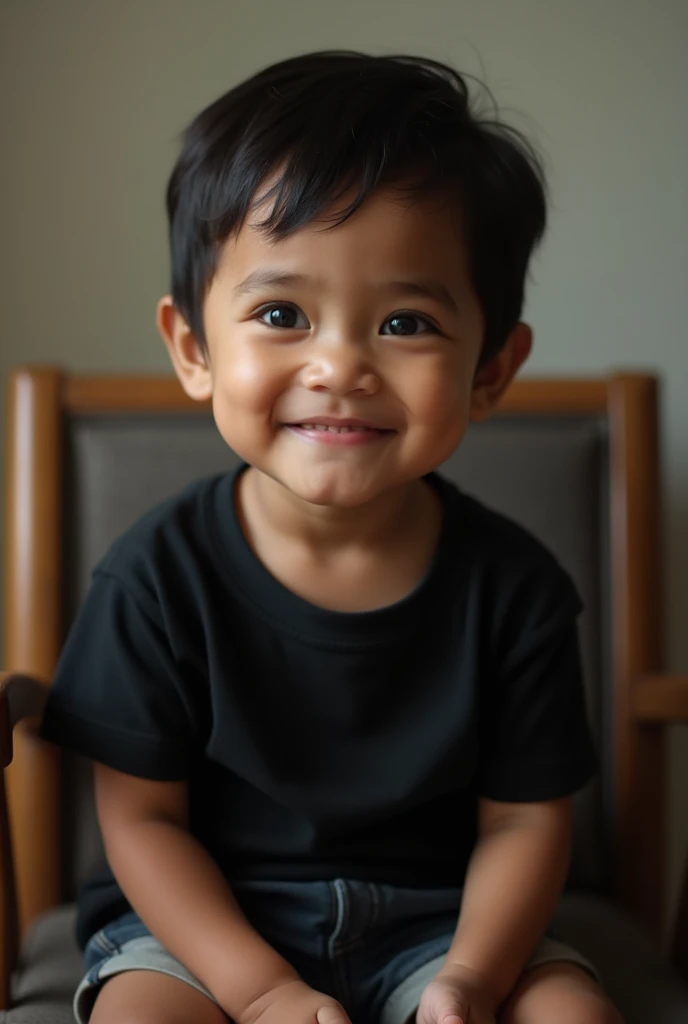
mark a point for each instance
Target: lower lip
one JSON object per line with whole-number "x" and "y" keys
{"x": 350, "y": 438}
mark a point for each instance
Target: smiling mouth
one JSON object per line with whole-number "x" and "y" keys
{"x": 339, "y": 429}
{"x": 348, "y": 434}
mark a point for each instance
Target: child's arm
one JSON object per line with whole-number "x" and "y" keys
{"x": 514, "y": 880}
{"x": 179, "y": 892}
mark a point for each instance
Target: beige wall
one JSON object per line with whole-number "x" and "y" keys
{"x": 93, "y": 94}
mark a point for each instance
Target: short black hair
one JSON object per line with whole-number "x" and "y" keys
{"x": 333, "y": 120}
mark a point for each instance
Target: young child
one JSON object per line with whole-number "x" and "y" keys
{"x": 334, "y": 704}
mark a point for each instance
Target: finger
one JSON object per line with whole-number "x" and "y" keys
{"x": 457, "y": 1015}
{"x": 332, "y": 1013}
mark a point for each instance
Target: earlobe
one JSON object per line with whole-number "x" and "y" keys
{"x": 492, "y": 379}
{"x": 188, "y": 357}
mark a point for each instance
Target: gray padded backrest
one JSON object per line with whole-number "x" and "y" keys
{"x": 547, "y": 473}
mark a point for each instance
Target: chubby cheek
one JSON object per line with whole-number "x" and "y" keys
{"x": 244, "y": 396}
{"x": 439, "y": 409}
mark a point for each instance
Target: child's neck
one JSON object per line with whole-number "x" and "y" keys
{"x": 267, "y": 506}
{"x": 344, "y": 559}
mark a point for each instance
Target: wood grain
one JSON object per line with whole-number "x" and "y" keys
{"x": 84, "y": 395}
{"x": 8, "y": 906}
{"x": 660, "y": 699}
{"x": 533, "y": 396}
{"x": 636, "y": 644}
{"x": 33, "y": 623}
{"x": 20, "y": 697}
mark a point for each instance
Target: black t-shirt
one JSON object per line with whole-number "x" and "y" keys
{"x": 321, "y": 744}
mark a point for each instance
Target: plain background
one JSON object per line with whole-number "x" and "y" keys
{"x": 94, "y": 94}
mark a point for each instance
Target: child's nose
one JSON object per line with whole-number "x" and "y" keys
{"x": 341, "y": 365}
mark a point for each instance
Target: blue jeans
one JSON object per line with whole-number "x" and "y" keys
{"x": 372, "y": 947}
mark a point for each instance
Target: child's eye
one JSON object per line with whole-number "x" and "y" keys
{"x": 281, "y": 316}
{"x": 400, "y": 321}
{"x": 286, "y": 317}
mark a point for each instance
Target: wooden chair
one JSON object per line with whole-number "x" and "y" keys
{"x": 574, "y": 460}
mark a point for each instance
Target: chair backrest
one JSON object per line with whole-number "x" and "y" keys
{"x": 574, "y": 461}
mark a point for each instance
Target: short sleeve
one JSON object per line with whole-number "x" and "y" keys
{"x": 118, "y": 696}
{"x": 535, "y": 739}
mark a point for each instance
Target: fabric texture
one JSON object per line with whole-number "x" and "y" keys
{"x": 635, "y": 974}
{"x": 548, "y": 473}
{"x": 383, "y": 727}
{"x": 374, "y": 948}
{"x": 402, "y": 1004}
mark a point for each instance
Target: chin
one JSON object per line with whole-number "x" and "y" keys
{"x": 334, "y": 497}
{"x": 335, "y": 493}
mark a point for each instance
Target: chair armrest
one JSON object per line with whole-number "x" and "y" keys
{"x": 21, "y": 697}
{"x": 660, "y": 698}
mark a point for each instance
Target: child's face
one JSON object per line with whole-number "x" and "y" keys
{"x": 328, "y": 351}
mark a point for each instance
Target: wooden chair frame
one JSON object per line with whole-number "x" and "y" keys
{"x": 643, "y": 699}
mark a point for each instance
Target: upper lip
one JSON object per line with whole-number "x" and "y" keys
{"x": 334, "y": 421}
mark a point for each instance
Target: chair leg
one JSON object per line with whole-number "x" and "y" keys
{"x": 8, "y": 903}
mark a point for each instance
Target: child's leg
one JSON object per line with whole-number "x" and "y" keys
{"x": 149, "y": 997}
{"x": 558, "y": 992}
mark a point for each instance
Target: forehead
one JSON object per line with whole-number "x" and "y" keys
{"x": 389, "y": 234}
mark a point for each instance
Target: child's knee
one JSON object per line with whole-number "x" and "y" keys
{"x": 148, "y": 997}
{"x": 558, "y": 993}
{"x": 583, "y": 1008}
{"x": 579, "y": 1008}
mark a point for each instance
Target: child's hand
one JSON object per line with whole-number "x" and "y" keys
{"x": 295, "y": 1002}
{"x": 456, "y": 996}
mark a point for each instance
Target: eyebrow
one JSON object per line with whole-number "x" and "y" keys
{"x": 424, "y": 288}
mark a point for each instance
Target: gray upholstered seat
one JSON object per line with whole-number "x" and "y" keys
{"x": 549, "y": 474}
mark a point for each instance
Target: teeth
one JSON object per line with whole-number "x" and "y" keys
{"x": 334, "y": 430}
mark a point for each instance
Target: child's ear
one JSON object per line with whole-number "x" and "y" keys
{"x": 188, "y": 357}
{"x": 492, "y": 379}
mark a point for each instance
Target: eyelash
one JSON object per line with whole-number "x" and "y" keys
{"x": 397, "y": 313}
